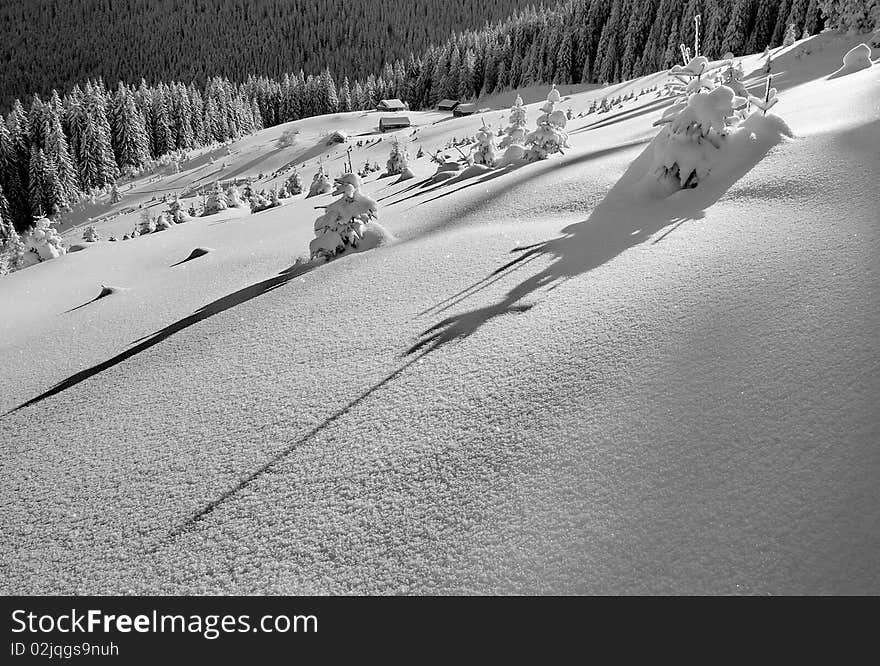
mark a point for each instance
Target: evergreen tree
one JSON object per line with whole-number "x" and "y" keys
{"x": 58, "y": 152}
{"x": 738, "y": 29}
{"x": 129, "y": 136}
{"x": 765, "y": 21}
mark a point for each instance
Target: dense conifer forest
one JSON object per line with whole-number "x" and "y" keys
{"x": 56, "y": 147}
{"x": 55, "y": 43}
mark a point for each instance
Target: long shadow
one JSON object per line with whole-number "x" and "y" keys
{"x": 631, "y": 213}
{"x": 291, "y": 447}
{"x": 218, "y": 306}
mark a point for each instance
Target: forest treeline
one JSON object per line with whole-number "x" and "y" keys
{"x": 53, "y": 152}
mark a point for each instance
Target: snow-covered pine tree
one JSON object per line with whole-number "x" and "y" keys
{"x": 233, "y": 197}
{"x": 515, "y": 132}
{"x": 90, "y": 235}
{"x": 549, "y": 137}
{"x": 790, "y": 35}
{"x": 17, "y": 158}
{"x": 129, "y": 136}
{"x": 853, "y": 16}
{"x": 484, "y": 150}
{"x": 738, "y": 28}
{"x": 320, "y": 183}
{"x": 11, "y": 247}
{"x": 58, "y": 151}
{"x": 294, "y": 183}
{"x": 398, "y": 159}
{"x": 762, "y": 29}
{"x": 36, "y": 189}
{"x": 344, "y": 221}
{"x": 216, "y": 200}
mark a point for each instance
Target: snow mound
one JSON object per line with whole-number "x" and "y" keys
{"x": 856, "y": 59}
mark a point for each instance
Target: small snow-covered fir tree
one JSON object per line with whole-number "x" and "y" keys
{"x": 178, "y": 215}
{"x": 320, "y": 183}
{"x": 11, "y": 247}
{"x": 484, "y": 150}
{"x": 515, "y": 132}
{"x": 398, "y": 159}
{"x": 790, "y": 35}
{"x": 732, "y": 77}
{"x": 115, "y": 195}
{"x": 233, "y": 197}
{"x": 147, "y": 223}
{"x": 343, "y": 223}
{"x": 164, "y": 221}
{"x": 550, "y": 136}
{"x": 294, "y": 184}
{"x": 90, "y": 235}
{"x": 216, "y": 201}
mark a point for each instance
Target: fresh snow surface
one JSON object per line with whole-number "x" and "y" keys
{"x": 552, "y": 381}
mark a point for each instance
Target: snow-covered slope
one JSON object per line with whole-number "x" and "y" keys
{"x": 548, "y": 383}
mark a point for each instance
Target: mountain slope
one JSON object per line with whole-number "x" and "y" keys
{"x": 667, "y": 398}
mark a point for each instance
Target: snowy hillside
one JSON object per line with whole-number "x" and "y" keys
{"x": 548, "y": 378}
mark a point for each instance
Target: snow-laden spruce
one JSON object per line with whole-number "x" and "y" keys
{"x": 320, "y": 183}
{"x": 90, "y": 235}
{"x": 216, "y": 201}
{"x": 344, "y": 221}
{"x": 233, "y": 197}
{"x": 11, "y": 246}
{"x": 550, "y": 136}
{"x": 398, "y": 161}
{"x": 484, "y": 149}
{"x": 294, "y": 185}
{"x": 515, "y": 132}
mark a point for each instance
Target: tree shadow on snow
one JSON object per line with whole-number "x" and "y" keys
{"x": 216, "y": 307}
{"x": 628, "y": 216}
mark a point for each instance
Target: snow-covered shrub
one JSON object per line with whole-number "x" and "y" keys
{"x": 484, "y": 151}
{"x": 42, "y": 242}
{"x": 216, "y": 201}
{"x": 515, "y": 132}
{"x": 294, "y": 184}
{"x": 550, "y": 136}
{"x": 320, "y": 184}
{"x": 343, "y": 223}
{"x": 287, "y": 138}
{"x": 90, "y": 235}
